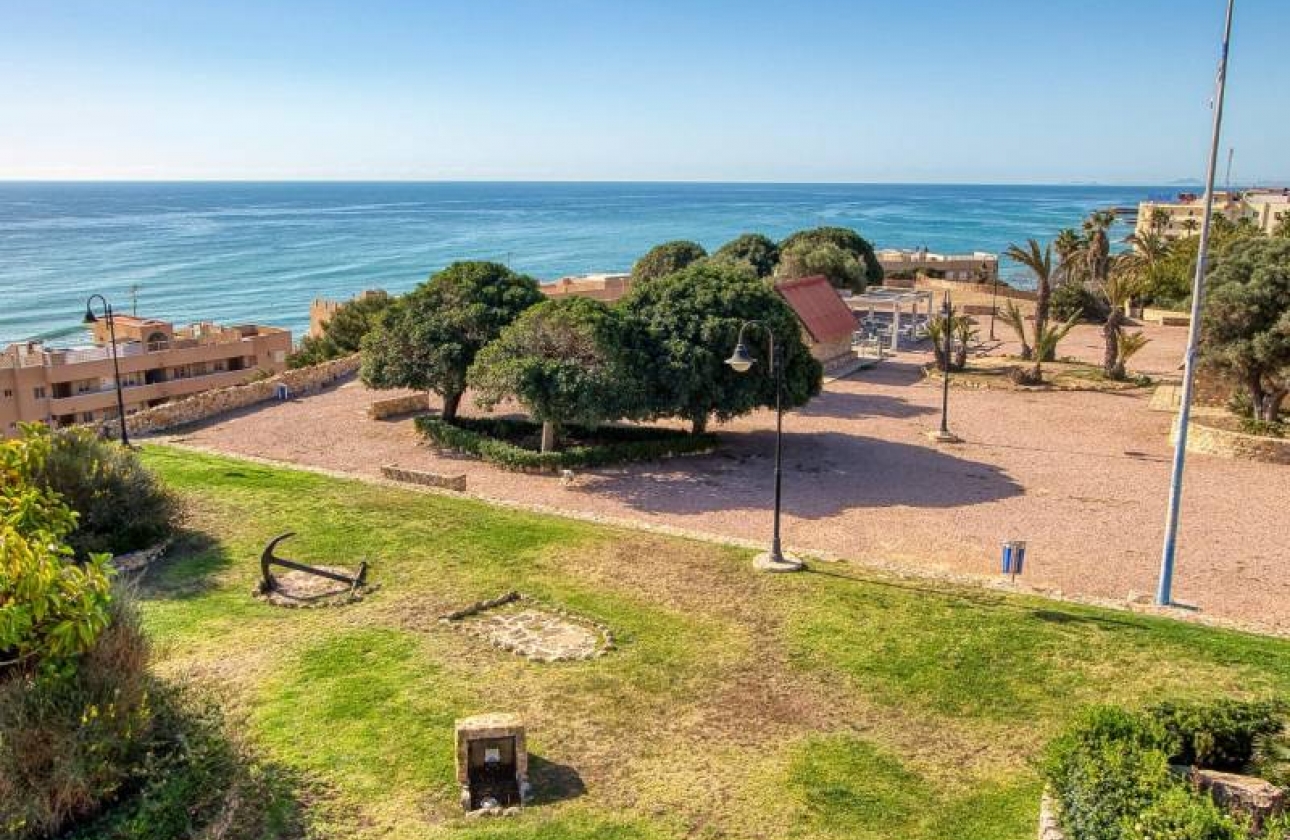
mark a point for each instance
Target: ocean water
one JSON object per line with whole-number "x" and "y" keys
{"x": 260, "y": 252}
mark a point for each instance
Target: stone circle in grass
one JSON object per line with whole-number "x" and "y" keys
{"x": 536, "y": 631}
{"x": 301, "y": 589}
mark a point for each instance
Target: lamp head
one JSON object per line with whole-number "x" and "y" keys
{"x": 740, "y": 361}
{"x": 89, "y": 316}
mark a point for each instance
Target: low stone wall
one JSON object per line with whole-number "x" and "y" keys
{"x": 1166, "y": 317}
{"x": 1209, "y": 440}
{"x": 429, "y": 479}
{"x": 219, "y": 401}
{"x": 395, "y": 406}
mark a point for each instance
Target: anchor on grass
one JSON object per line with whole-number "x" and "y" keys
{"x": 269, "y": 583}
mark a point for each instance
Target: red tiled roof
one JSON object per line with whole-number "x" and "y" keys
{"x": 819, "y": 307}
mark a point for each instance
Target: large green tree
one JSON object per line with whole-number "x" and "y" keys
{"x": 665, "y": 259}
{"x": 343, "y": 334}
{"x": 1246, "y": 321}
{"x": 562, "y": 360}
{"x": 686, "y": 325}
{"x": 429, "y": 339}
{"x": 807, "y": 259}
{"x": 846, "y": 239}
{"x": 753, "y": 250}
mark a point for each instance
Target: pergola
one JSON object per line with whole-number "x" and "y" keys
{"x": 895, "y": 302}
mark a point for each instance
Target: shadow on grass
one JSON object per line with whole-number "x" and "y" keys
{"x": 553, "y": 782}
{"x": 186, "y": 570}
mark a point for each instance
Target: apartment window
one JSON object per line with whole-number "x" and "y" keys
{"x": 38, "y": 392}
{"x": 8, "y": 393}
{"x": 87, "y": 417}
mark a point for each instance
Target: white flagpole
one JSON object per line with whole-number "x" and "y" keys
{"x": 1164, "y": 592}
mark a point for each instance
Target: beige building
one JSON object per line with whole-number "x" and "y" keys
{"x": 323, "y": 310}
{"x": 602, "y": 287}
{"x": 977, "y": 266}
{"x": 158, "y": 363}
{"x": 1181, "y": 218}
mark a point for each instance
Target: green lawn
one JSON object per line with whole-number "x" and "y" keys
{"x": 831, "y": 704}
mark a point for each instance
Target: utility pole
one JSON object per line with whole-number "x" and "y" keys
{"x": 1164, "y": 591}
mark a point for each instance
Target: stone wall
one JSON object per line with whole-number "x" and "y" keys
{"x": 219, "y": 401}
{"x": 1209, "y": 440}
{"x": 427, "y": 479}
{"x": 394, "y": 406}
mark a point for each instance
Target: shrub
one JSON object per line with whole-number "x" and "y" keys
{"x": 493, "y": 440}
{"x": 122, "y": 506}
{"x": 1108, "y": 768}
{"x": 1220, "y": 734}
{"x": 1070, "y": 300}
{"x": 1277, "y": 827}
{"x": 665, "y": 259}
{"x": 343, "y": 333}
{"x": 51, "y": 610}
{"x": 68, "y": 741}
{"x": 1181, "y": 814}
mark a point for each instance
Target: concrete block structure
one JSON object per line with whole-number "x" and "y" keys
{"x": 158, "y": 362}
{"x": 603, "y": 287}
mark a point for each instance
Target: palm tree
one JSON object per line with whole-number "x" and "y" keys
{"x": 1097, "y": 249}
{"x": 1123, "y": 281}
{"x": 1159, "y": 220}
{"x": 1147, "y": 247}
{"x": 1040, "y": 262}
{"x": 1046, "y": 338}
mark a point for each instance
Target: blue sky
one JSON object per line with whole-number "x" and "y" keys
{"x": 867, "y": 90}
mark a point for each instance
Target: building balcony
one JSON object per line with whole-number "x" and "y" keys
{"x": 139, "y": 396}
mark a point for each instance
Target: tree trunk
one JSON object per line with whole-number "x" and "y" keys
{"x": 451, "y": 402}
{"x": 699, "y": 424}
{"x": 1112, "y": 364}
{"x": 548, "y": 436}
{"x": 1042, "y": 296}
{"x": 1273, "y": 402}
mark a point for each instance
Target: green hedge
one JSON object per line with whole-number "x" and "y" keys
{"x": 1109, "y": 772}
{"x": 492, "y": 439}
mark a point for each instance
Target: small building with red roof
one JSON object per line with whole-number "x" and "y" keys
{"x": 828, "y": 324}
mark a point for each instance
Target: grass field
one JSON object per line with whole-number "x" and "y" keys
{"x": 830, "y": 704}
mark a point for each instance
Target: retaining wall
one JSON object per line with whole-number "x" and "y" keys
{"x": 1209, "y": 440}
{"x": 394, "y": 406}
{"x": 429, "y": 479}
{"x": 219, "y": 401}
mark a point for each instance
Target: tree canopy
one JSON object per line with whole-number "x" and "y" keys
{"x": 562, "y": 360}
{"x": 1246, "y": 321}
{"x": 806, "y": 259}
{"x": 665, "y": 259}
{"x": 753, "y": 250}
{"x": 343, "y": 334}
{"x": 429, "y": 338}
{"x": 846, "y": 239}
{"x": 687, "y": 324}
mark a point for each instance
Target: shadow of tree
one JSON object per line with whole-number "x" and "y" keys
{"x": 187, "y": 568}
{"x": 824, "y": 473}
{"x": 846, "y": 404}
{"x": 553, "y": 782}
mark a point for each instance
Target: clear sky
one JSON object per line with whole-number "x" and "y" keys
{"x": 1043, "y": 91}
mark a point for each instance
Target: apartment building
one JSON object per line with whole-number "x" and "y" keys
{"x": 158, "y": 363}
{"x": 977, "y": 267}
{"x": 1181, "y": 218}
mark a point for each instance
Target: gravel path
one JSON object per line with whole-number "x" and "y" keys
{"x": 1081, "y": 476}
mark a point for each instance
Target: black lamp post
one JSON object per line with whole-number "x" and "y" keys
{"x": 741, "y": 362}
{"x": 91, "y": 318}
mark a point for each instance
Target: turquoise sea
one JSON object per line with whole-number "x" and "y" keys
{"x": 260, "y": 252}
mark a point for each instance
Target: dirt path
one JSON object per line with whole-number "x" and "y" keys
{"x": 1081, "y": 476}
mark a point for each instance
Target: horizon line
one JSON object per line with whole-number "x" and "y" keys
{"x": 610, "y": 181}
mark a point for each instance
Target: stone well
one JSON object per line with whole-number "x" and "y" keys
{"x": 492, "y": 763}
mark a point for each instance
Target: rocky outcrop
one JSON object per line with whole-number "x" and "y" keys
{"x": 1247, "y": 795}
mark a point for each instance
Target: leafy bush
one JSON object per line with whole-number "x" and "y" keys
{"x": 1106, "y": 770}
{"x": 496, "y": 441}
{"x": 1180, "y": 814}
{"x": 122, "y": 507}
{"x": 1277, "y": 827}
{"x": 1219, "y": 735}
{"x": 192, "y": 776}
{"x": 1075, "y": 299}
{"x": 343, "y": 333}
{"x": 665, "y": 259}
{"x": 51, "y": 610}
{"x": 68, "y": 741}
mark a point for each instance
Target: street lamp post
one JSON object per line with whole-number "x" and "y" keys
{"x": 741, "y": 362}
{"x": 91, "y": 318}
